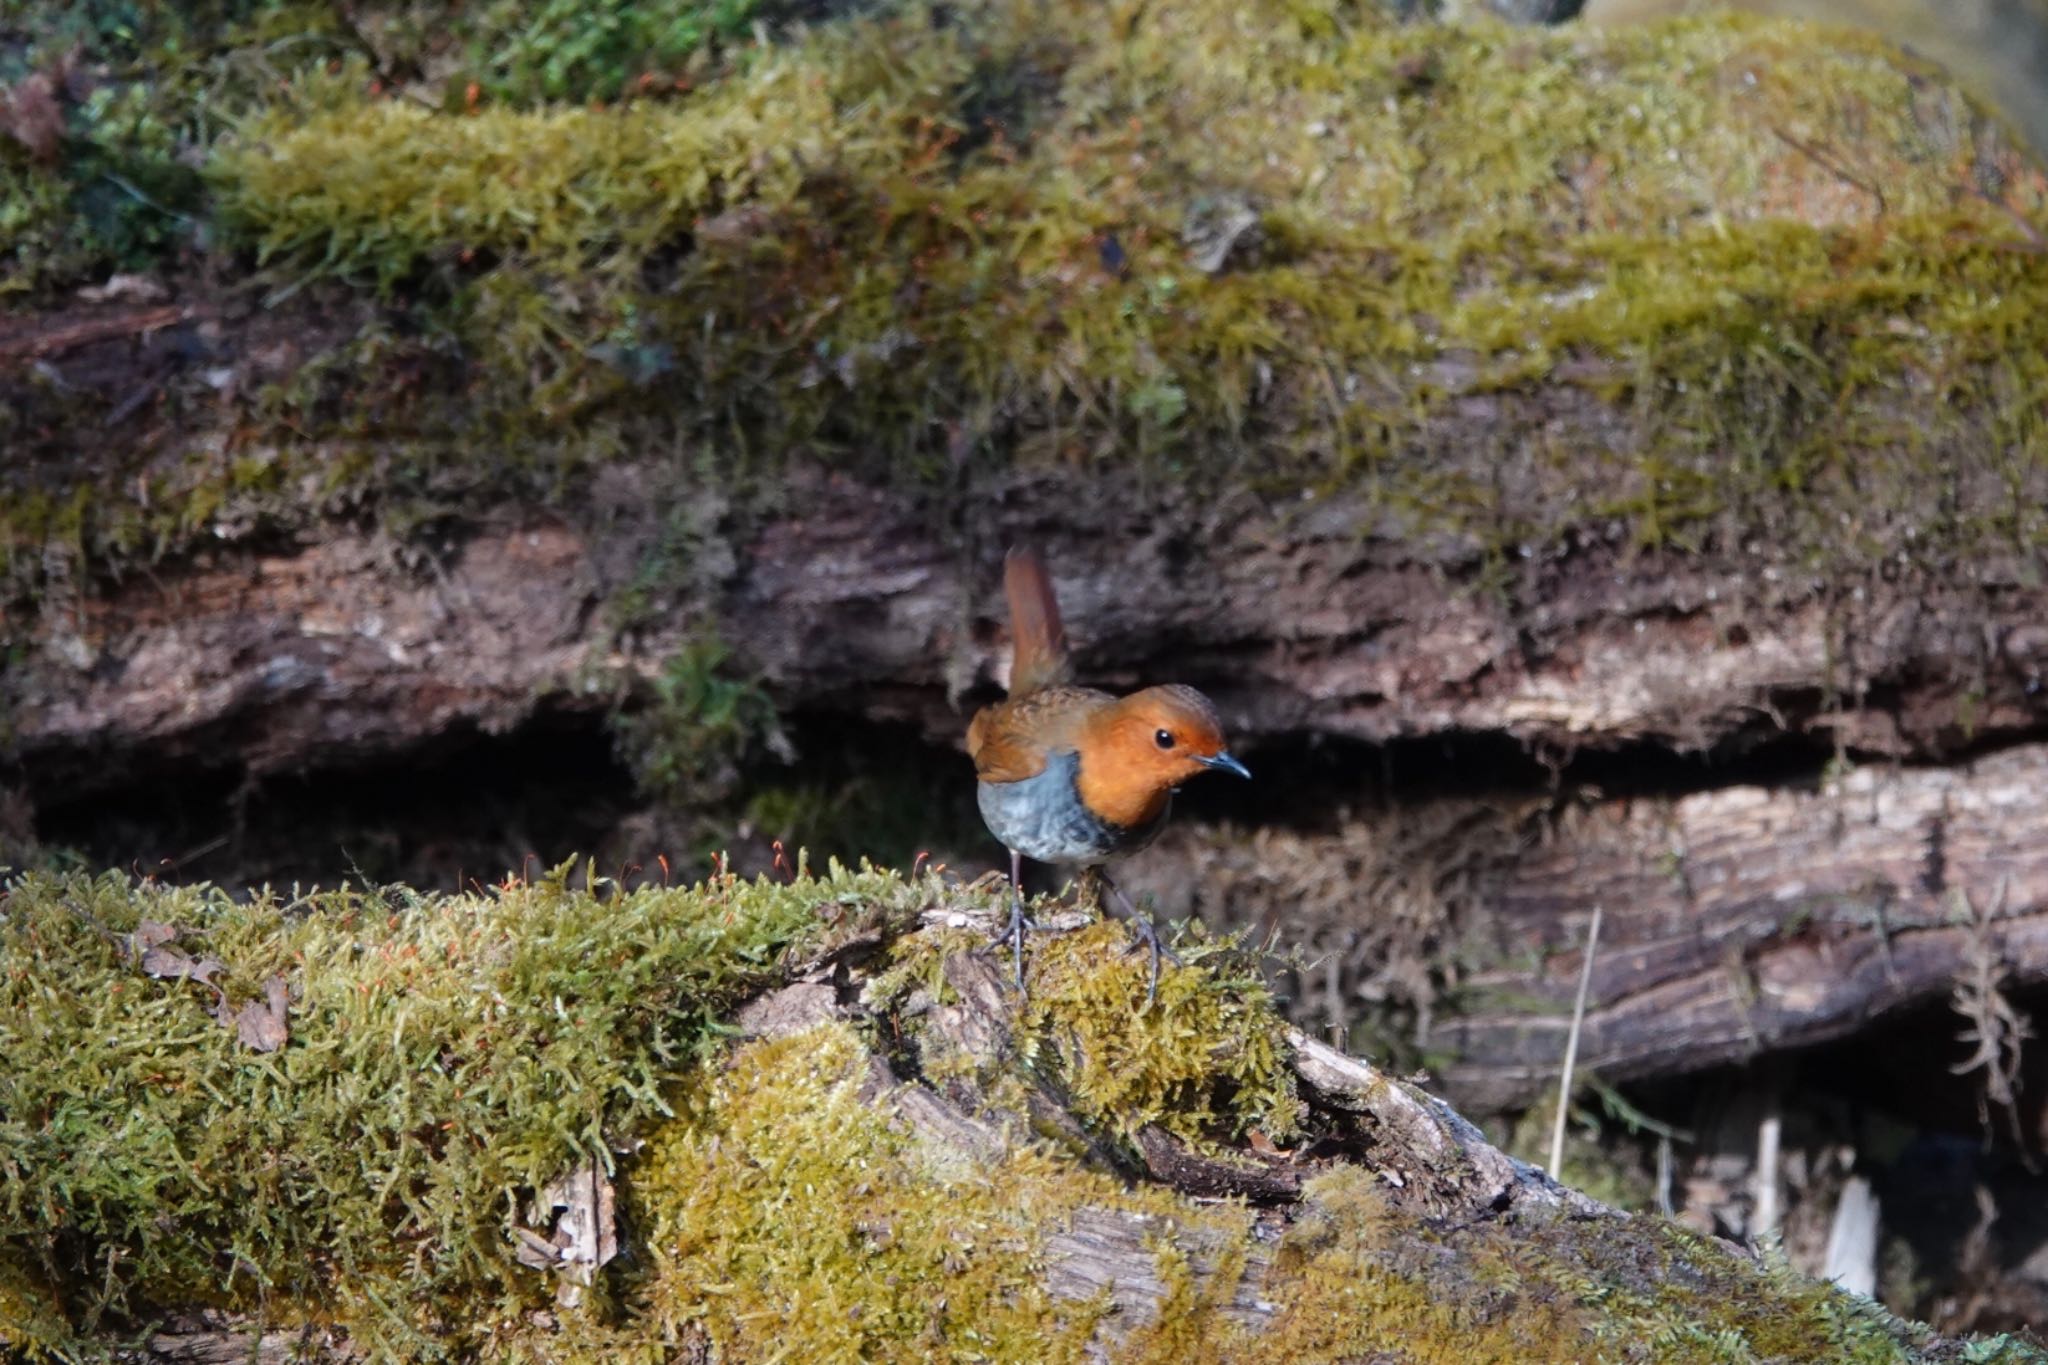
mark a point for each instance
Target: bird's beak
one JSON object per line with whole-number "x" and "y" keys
{"x": 1224, "y": 763}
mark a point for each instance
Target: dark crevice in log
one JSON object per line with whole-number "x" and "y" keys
{"x": 461, "y": 805}
{"x": 1247, "y": 1176}
{"x": 465, "y": 802}
{"x": 556, "y": 784}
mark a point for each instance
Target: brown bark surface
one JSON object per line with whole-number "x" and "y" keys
{"x": 1744, "y": 921}
{"x": 352, "y": 645}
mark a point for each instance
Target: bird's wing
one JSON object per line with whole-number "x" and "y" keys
{"x": 1038, "y": 636}
{"x": 1012, "y": 740}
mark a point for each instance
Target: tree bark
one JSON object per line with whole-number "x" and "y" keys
{"x": 1746, "y": 921}
{"x": 1741, "y": 920}
{"x": 348, "y": 647}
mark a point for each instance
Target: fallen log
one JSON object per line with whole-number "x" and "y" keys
{"x": 889, "y": 1151}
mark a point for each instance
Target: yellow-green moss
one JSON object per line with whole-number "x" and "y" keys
{"x": 1337, "y": 122}
{"x": 446, "y": 1054}
{"x": 787, "y": 1218}
{"x": 1348, "y": 1297}
{"x": 883, "y": 246}
{"x": 450, "y": 1055}
{"x": 1206, "y": 1060}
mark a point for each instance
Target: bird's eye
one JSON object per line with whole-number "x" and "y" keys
{"x": 1164, "y": 739}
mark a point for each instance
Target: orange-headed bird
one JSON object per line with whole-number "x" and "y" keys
{"x": 1075, "y": 776}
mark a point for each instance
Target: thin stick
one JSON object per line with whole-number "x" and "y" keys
{"x": 1571, "y": 1046}
{"x": 1664, "y": 1205}
{"x": 1769, "y": 1134}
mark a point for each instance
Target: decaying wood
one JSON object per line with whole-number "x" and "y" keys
{"x": 348, "y": 648}
{"x": 34, "y": 340}
{"x": 1744, "y": 921}
{"x": 580, "y": 1208}
{"x": 1429, "y": 1159}
{"x": 1741, "y": 920}
{"x": 1429, "y": 1156}
{"x": 217, "y": 1338}
{"x": 1110, "y": 1251}
{"x": 1737, "y": 922}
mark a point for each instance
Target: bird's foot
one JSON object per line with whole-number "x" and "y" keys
{"x": 1148, "y": 937}
{"x": 1013, "y": 933}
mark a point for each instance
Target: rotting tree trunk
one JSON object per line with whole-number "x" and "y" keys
{"x": 347, "y": 647}
{"x": 1737, "y": 921}
{"x": 1743, "y": 921}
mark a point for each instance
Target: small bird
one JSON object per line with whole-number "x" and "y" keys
{"x": 1074, "y": 776}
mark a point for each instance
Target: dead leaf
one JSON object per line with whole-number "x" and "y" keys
{"x": 586, "y": 1231}
{"x": 1265, "y": 1146}
{"x": 30, "y": 114}
{"x": 175, "y": 964}
{"x": 151, "y": 932}
{"x": 260, "y": 1024}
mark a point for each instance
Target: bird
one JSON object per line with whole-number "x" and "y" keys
{"x": 1073, "y": 776}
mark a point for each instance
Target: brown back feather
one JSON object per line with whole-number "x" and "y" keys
{"x": 1038, "y": 636}
{"x": 1011, "y": 740}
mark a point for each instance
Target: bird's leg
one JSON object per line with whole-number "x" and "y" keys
{"x": 1147, "y": 931}
{"x": 1014, "y": 931}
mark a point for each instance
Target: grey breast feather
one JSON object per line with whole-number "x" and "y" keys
{"x": 1044, "y": 818}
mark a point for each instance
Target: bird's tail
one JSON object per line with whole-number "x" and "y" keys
{"x": 1036, "y": 632}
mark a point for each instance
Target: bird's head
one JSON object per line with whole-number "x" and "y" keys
{"x": 1139, "y": 749}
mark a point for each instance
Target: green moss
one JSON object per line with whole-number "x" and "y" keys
{"x": 686, "y": 739}
{"x": 578, "y": 49}
{"x": 446, "y": 1055}
{"x": 786, "y": 1216}
{"x": 141, "y": 89}
{"x": 882, "y": 246}
{"x": 1362, "y": 1278}
{"x": 1206, "y": 1060}
{"x": 1648, "y": 130}
{"x": 1350, "y": 1294}
{"x": 148, "y": 87}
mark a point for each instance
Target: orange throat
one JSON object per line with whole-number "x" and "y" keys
{"x": 1120, "y": 781}
{"x": 1118, "y": 798}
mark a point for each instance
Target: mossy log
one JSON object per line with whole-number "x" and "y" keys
{"x": 348, "y": 647}
{"x": 830, "y": 1129}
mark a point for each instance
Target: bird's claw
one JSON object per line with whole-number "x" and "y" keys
{"x": 1148, "y": 937}
{"x": 1013, "y": 933}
